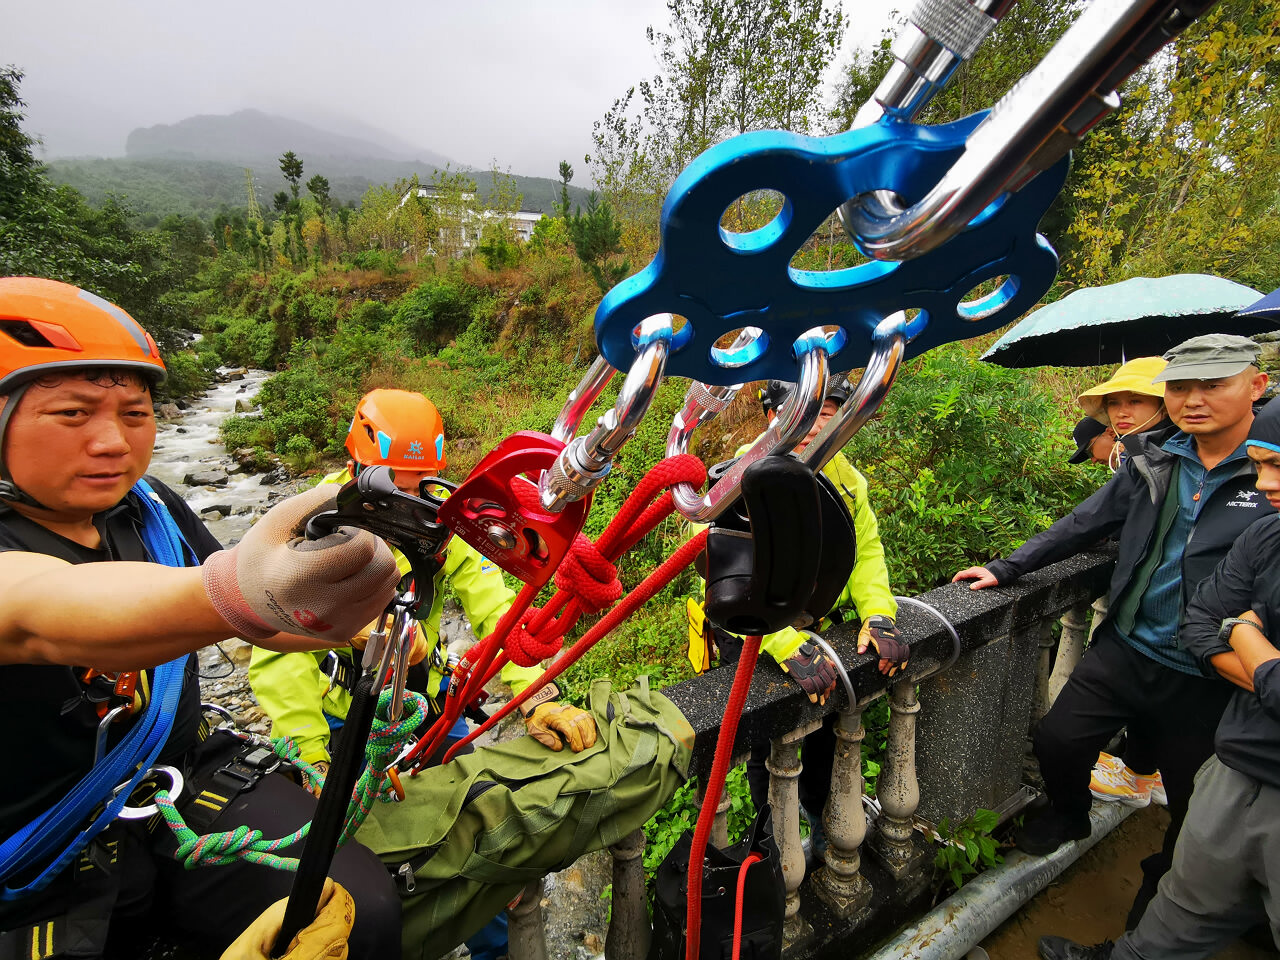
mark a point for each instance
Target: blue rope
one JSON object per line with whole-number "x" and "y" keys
{"x": 130, "y": 760}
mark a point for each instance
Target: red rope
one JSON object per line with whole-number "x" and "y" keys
{"x": 737, "y": 903}
{"x": 630, "y": 604}
{"x": 586, "y": 582}
{"x": 715, "y": 787}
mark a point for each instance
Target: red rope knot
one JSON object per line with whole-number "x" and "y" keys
{"x": 588, "y": 576}
{"x": 528, "y": 650}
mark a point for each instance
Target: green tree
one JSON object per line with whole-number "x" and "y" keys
{"x": 291, "y": 167}
{"x": 566, "y": 175}
{"x": 596, "y": 238}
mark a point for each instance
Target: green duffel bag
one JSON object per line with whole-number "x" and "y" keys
{"x": 470, "y": 834}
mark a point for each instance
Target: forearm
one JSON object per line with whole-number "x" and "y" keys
{"x": 111, "y": 616}
{"x": 1252, "y": 648}
{"x": 1231, "y": 669}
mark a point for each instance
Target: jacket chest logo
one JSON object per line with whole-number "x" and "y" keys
{"x": 1245, "y": 498}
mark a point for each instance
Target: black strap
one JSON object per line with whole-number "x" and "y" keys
{"x": 341, "y": 670}
{"x": 80, "y": 928}
{"x": 213, "y": 788}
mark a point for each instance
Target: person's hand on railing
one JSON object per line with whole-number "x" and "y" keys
{"x": 812, "y": 669}
{"x": 981, "y": 577}
{"x": 882, "y": 634}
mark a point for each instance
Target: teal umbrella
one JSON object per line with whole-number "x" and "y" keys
{"x": 1141, "y": 317}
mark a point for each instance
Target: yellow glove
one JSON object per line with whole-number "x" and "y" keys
{"x": 421, "y": 644}
{"x": 550, "y": 721}
{"x": 324, "y": 939}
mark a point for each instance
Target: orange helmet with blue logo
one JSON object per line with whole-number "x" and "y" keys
{"x": 397, "y": 429}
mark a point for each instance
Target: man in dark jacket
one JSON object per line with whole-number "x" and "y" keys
{"x": 1226, "y": 868}
{"x": 1178, "y": 504}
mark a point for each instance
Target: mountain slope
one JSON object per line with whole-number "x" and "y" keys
{"x": 250, "y": 136}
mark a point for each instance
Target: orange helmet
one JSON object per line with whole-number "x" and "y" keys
{"x": 398, "y": 429}
{"x": 47, "y": 325}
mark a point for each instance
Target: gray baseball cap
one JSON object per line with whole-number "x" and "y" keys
{"x": 1211, "y": 357}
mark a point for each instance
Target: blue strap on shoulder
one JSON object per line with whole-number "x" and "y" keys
{"x": 60, "y": 834}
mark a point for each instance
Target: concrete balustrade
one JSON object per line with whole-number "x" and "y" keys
{"x": 955, "y": 742}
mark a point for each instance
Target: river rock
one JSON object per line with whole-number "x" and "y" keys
{"x": 278, "y": 475}
{"x": 222, "y": 508}
{"x": 234, "y": 374}
{"x": 243, "y": 406}
{"x": 181, "y": 404}
{"x": 206, "y": 478}
{"x": 169, "y": 411}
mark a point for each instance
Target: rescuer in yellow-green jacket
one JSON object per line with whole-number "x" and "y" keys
{"x": 307, "y": 696}
{"x": 866, "y": 596}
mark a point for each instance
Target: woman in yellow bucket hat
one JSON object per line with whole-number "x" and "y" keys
{"x": 1128, "y": 402}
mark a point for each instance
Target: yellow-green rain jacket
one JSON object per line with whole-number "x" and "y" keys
{"x": 867, "y": 593}
{"x": 296, "y": 695}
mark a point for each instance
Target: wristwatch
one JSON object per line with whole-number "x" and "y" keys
{"x": 1229, "y": 624}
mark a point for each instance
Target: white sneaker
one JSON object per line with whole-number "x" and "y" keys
{"x": 1113, "y": 781}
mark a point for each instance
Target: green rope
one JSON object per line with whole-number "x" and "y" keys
{"x": 386, "y": 740}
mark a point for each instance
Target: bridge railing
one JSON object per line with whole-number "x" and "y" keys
{"x": 957, "y": 740}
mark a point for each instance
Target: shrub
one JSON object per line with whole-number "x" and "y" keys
{"x": 187, "y": 376}
{"x": 434, "y": 311}
{"x": 966, "y": 461}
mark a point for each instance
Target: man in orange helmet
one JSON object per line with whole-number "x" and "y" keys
{"x": 108, "y": 582}
{"x": 306, "y": 694}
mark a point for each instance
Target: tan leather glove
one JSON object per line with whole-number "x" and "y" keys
{"x": 324, "y": 939}
{"x": 550, "y": 721}
{"x": 421, "y": 643}
{"x": 276, "y": 580}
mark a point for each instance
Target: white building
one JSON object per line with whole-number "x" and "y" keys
{"x": 473, "y": 221}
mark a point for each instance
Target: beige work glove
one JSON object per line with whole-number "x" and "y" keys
{"x": 550, "y": 721}
{"x": 326, "y": 936}
{"x": 421, "y": 645}
{"x": 275, "y": 580}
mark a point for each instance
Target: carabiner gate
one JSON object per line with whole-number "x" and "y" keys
{"x": 586, "y": 461}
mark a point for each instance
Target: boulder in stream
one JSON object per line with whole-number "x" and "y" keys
{"x": 244, "y": 406}
{"x": 169, "y": 411}
{"x": 205, "y": 478}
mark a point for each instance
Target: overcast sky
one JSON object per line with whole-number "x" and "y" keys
{"x": 519, "y": 81}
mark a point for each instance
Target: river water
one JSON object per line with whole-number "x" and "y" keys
{"x": 191, "y": 446}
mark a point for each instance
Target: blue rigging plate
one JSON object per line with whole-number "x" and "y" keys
{"x": 721, "y": 282}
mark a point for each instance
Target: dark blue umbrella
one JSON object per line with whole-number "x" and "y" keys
{"x": 1141, "y": 317}
{"x": 1268, "y": 307}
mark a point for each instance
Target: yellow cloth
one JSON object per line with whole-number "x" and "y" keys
{"x": 297, "y": 696}
{"x": 324, "y": 939}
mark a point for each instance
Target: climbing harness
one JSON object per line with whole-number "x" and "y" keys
{"x": 61, "y": 833}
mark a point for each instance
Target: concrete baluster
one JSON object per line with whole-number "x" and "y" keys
{"x": 629, "y": 931}
{"x": 897, "y": 788}
{"x": 840, "y": 882}
{"x": 1071, "y": 646}
{"x": 784, "y": 798}
{"x": 525, "y": 930}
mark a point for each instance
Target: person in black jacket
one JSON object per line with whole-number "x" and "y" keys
{"x": 1226, "y": 866}
{"x": 1178, "y": 503}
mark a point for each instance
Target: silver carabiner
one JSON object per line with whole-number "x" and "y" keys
{"x": 888, "y": 349}
{"x": 938, "y": 37}
{"x": 1035, "y": 124}
{"x": 580, "y": 400}
{"x": 104, "y": 727}
{"x": 797, "y": 416}
{"x": 586, "y": 461}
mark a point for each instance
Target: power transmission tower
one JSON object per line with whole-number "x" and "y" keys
{"x": 255, "y": 214}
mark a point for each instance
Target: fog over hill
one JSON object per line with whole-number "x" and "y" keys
{"x": 196, "y": 166}
{"x": 251, "y": 136}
